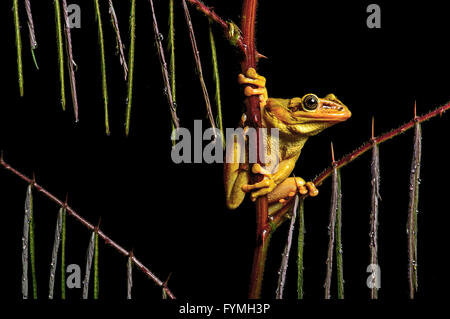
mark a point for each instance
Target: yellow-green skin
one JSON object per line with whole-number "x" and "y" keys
{"x": 295, "y": 123}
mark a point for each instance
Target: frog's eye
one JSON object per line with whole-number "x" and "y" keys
{"x": 310, "y": 102}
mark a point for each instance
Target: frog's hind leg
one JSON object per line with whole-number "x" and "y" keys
{"x": 278, "y": 198}
{"x": 234, "y": 193}
{"x": 287, "y": 189}
{"x": 236, "y": 170}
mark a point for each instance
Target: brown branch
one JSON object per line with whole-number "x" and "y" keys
{"x": 287, "y": 249}
{"x": 115, "y": 24}
{"x": 89, "y": 226}
{"x": 263, "y": 229}
{"x": 279, "y": 218}
{"x": 165, "y": 73}
{"x": 412, "y": 211}
{"x": 230, "y": 33}
{"x": 198, "y": 65}
{"x": 33, "y": 42}
{"x": 331, "y": 229}
{"x": 375, "y": 196}
{"x": 70, "y": 61}
{"x": 378, "y": 140}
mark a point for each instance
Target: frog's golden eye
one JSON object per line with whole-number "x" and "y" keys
{"x": 310, "y": 102}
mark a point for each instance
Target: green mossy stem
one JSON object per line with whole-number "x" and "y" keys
{"x": 18, "y": 45}
{"x": 103, "y": 65}
{"x": 130, "y": 66}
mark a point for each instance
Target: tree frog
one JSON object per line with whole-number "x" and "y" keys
{"x": 296, "y": 119}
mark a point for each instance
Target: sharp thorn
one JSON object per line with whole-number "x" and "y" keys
{"x": 332, "y": 153}
{"x": 415, "y": 110}
{"x": 260, "y": 56}
{"x": 373, "y": 127}
{"x": 167, "y": 280}
{"x": 98, "y": 224}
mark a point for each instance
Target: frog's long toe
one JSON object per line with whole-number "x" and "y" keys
{"x": 312, "y": 189}
{"x": 301, "y": 185}
{"x": 266, "y": 182}
{"x": 261, "y": 188}
{"x": 306, "y": 187}
{"x": 254, "y": 79}
{"x": 258, "y": 169}
{"x": 251, "y": 77}
{"x": 249, "y": 91}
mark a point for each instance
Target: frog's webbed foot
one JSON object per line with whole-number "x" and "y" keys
{"x": 253, "y": 78}
{"x": 289, "y": 188}
{"x": 263, "y": 187}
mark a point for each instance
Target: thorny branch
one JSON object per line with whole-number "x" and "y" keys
{"x": 277, "y": 220}
{"x": 165, "y": 73}
{"x": 230, "y": 29}
{"x": 115, "y": 23}
{"x": 70, "y": 62}
{"x": 91, "y": 227}
{"x": 198, "y": 65}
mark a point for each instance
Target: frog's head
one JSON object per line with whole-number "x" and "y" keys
{"x": 306, "y": 116}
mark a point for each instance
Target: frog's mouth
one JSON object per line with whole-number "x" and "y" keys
{"x": 327, "y": 110}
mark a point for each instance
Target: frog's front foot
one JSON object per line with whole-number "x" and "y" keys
{"x": 263, "y": 187}
{"x": 253, "y": 78}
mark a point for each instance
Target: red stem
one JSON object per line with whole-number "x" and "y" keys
{"x": 254, "y": 118}
{"x": 209, "y": 12}
{"x": 91, "y": 227}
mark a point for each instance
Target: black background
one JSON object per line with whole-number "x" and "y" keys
{"x": 173, "y": 215}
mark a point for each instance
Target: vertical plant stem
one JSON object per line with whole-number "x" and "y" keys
{"x": 59, "y": 44}
{"x": 18, "y": 45}
{"x": 25, "y": 241}
{"x": 54, "y": 261}
{"x": 130, "y": 65}
{"x": 259, "y": 260}
{"x": 373, "y": 234}
{"x": 339, "y": 249}
{"x": 32, "y": 248}
{"x": 171, "y": 49}
{"x": 413, "y": 211}
{"x": 165, "y": 73}
{"x": 331, "y": 232}
{"x": 198, "y": 65}
{"x": 263, "y": 232}
{"x": 32, "y": 35}
{"x": 217, "y": 83}
{"x": 70, "y": 61}
{"x": 89, "y": 257}
{"x": 115, "y": 24}
{"x": 63, "y": 253}
{"x": 96, "y": 278}
{"x": 129, "y": 277}
{"x": 300, "y": 248}
{"x": 285, "y": 257}
{"x": 103, "y": 64}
